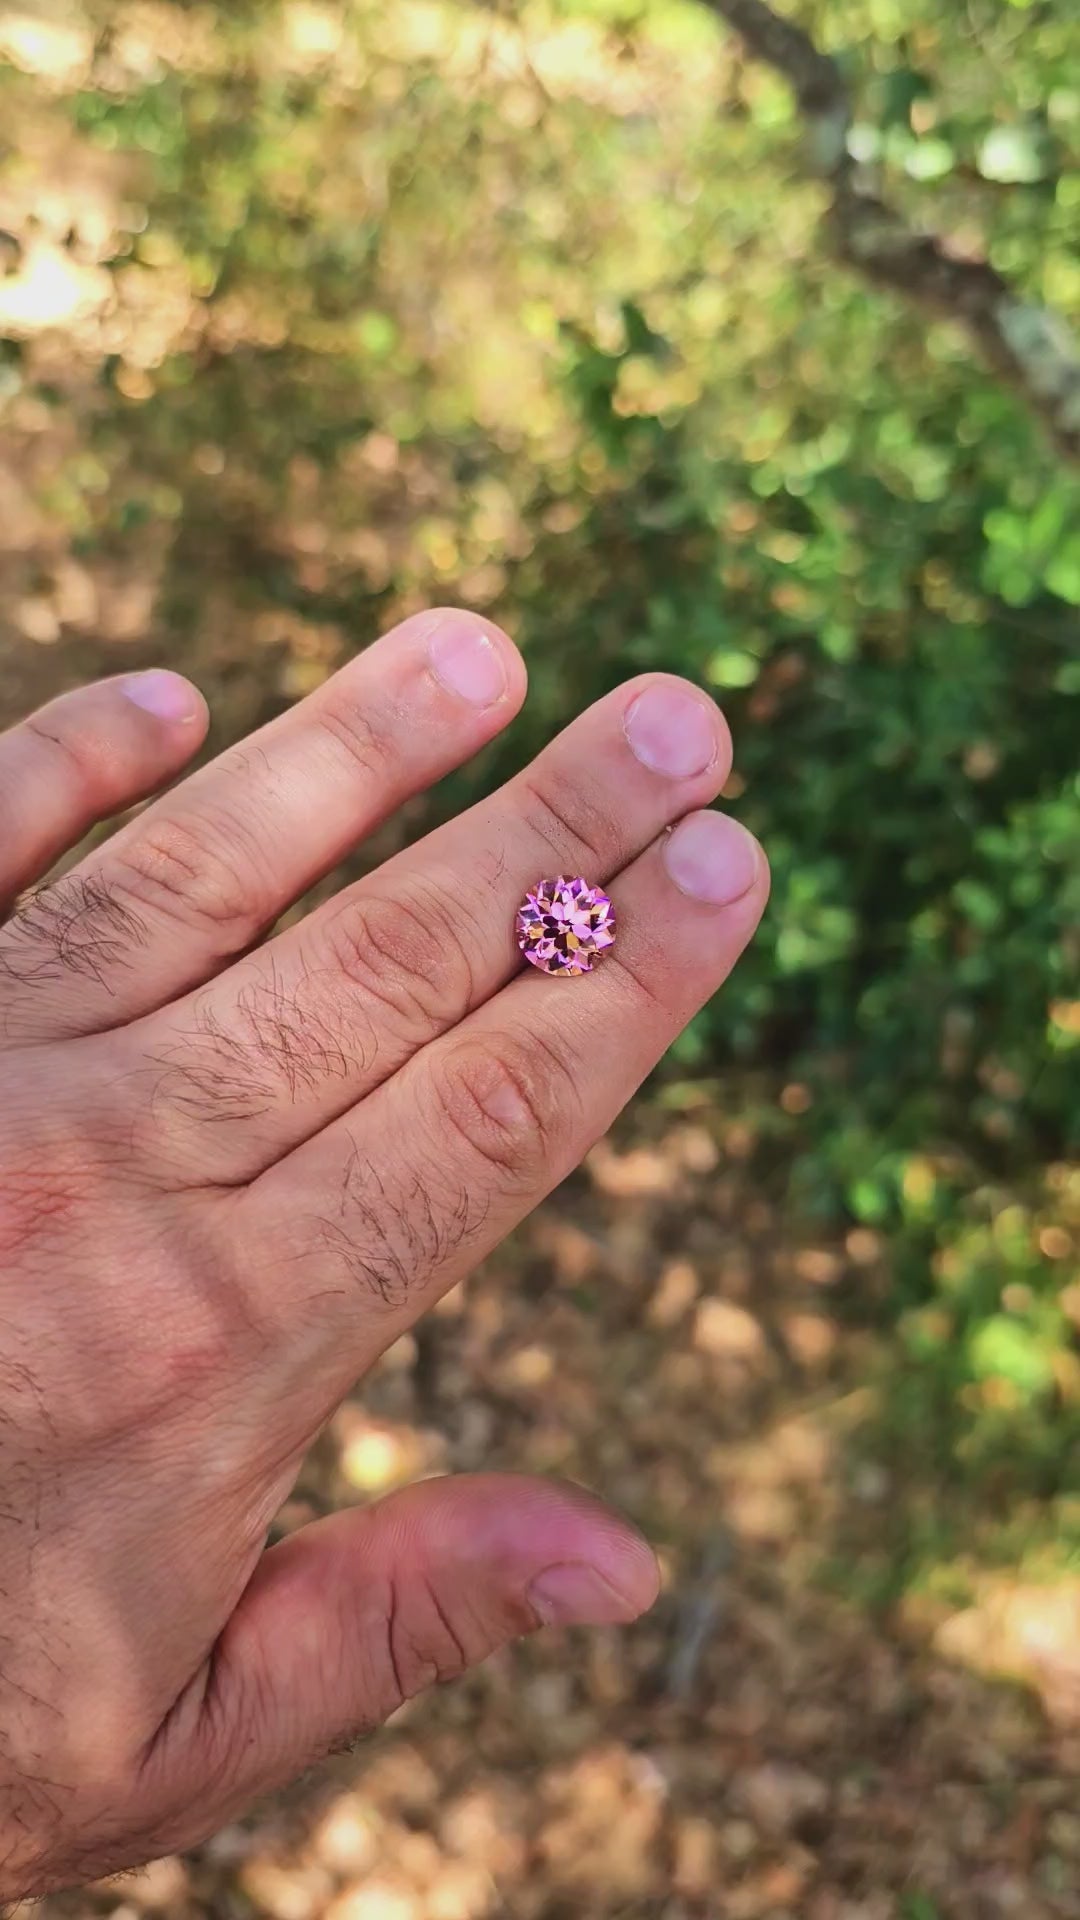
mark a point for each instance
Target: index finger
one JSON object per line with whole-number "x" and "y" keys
{"x": 204, "y": 871}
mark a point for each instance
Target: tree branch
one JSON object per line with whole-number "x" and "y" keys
{"x": 1028, "y": 345}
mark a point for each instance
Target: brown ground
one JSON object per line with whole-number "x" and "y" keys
{"x": 756, "y": 1750}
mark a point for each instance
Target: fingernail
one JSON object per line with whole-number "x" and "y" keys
{"x": 466, "y": 661}
{"x": 712, "y": 858}
{"x": 672, "y": 731}
{"x": 576, "y": 1595}
{"x": 164, "y": 694}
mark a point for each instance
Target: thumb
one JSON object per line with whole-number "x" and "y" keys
{"x": 353, "y": 1614}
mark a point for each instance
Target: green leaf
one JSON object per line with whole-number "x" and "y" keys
{"x": 1011, "y": 155}
{"x": 930, "y": 159}
{"x": 1063, "y": 575}
{"x": 868, "y": 1198}
{"x": 979, "y": 903}
{"x": 919, "y": 1906}
{"x": 1003, "y": 1348}
{"x": 732, "y": 667}
{"x": 377, "y": 333}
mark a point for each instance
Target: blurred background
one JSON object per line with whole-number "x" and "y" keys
{"x": 316, "y": 312}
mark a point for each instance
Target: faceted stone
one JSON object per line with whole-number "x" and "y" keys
{"x": 563, "y": 926}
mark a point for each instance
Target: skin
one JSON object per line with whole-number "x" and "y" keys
{"x": 233, "y": 1170}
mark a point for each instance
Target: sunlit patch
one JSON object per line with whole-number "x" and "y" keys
{"x": 286, "y": 1892}
{"x": 311, "y": 32}
{"x": 375, "y": 1460}
{"x": 377, "y": 1900}
{"x": 531, "y": 1367}
{"x": 347, "y": 1836}
{"x": 58, "y": 51}
{"x": 641, "y": 1170}
{"x": 375, "y": 1456}
{"x": 818, "y": 1266}
{"x": 1022, "y": 1631}
{"x": 51, "y": 290}
{"x": 674, "y": 1294}
{"x": 729, "y": 1332}
{"x": 810, "y": 1338}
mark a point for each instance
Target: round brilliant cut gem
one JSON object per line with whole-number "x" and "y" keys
{"x": 563, "y": 926}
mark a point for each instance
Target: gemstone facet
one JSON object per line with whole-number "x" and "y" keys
{"x": 563, "y": 926}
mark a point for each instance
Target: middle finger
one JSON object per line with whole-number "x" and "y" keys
{"x": 292, "y": 1036}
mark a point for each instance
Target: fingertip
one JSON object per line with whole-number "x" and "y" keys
{"x": 526, "y": 1526}
{"x": 675, "y": 729}
{"x": 591, "y": 1561}
{"x": 166, "y": 695}
{"x": 577, "y": 1594}
{"x": 474, "y": 659}
{"x": 624, "y": 1565}
{"x": 715, "y": 859}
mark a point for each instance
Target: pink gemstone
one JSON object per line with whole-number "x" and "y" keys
{"x": 563, "y": 926}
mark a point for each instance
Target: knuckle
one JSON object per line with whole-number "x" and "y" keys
{"x": 79, "y": 757}
{"x": 423, "y": 1646}
{"x": 569, "y": 821}
{"x": 391, "y": 1241}
{"x": 232, "y": 1062}
{"x": 356, "y": 735}
{"x": 403, "y": 951}
{"x": 646, "y": 993}
{"x": 511, "y": 1102}
{"x": 77, "y": 925}
{"x": 195, "y": 872}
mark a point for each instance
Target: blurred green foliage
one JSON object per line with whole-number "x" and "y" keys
{"x": 528, "y": 306}
{"x": 918, "y": 1906}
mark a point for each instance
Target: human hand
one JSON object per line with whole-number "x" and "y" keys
{"x": 232, "y": 1174}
